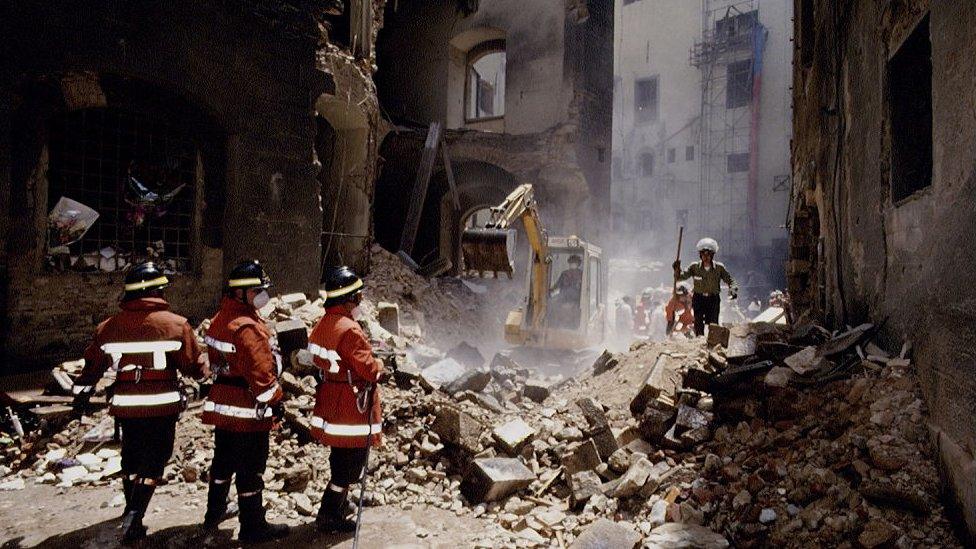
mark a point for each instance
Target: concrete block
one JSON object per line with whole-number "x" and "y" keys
{"x": 458, "y": 428}
{"x": 294, "y": 300}
{"x": 660, "y": 379}
{"x": 689, "y": 418}
{"x": 604, "y": 362}
{"x": 472, "y": 380}
{"x": 718, "y": 335}
{"x": 605, "y": 534}
{"x": 635, "y": 477}
{"x": 491, "y": 479}
{"x": 805, "y": 362}
{"x": 441, "y": 373}
{"x": 654, "y": 424}
{"x": 606, "y": 443}
{"x": 536, "y": 390}
{"x": 388, "y": 315}
{"x": 513, "y": 436}
{"x": 581, "y": 457}
{"x": 592, "y": 410}
{"x": 292, "y": 335}
{"x": 583, "y": 485}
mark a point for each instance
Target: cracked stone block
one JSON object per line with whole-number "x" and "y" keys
{"x": 491, "y": 479}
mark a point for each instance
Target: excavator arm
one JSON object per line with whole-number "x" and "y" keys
{"x": 486, "y": 249}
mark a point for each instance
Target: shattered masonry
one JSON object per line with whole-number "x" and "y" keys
{"x": 883, "y": 194}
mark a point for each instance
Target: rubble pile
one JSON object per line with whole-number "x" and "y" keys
{"x": 759, "y": 434}
{"x": 439, "y": 311}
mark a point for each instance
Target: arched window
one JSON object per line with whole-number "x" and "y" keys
{"x": 485, "y": 82}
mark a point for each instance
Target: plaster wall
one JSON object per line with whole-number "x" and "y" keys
{"x": 655, "y": 38}
{"x": 883, "y": 260}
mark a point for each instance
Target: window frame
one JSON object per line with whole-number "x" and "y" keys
{"x": 656, "y": 114}
{"x": 737, "y": 101}
{"x": 641, "y": 166}
{"x": 473, "y": 56}
{"x": 191, "y": 204}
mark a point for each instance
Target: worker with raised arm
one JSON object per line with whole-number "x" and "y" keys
{"x": 347, "y": 415}
{"x": 707, "y": 275}
{"x": 147, "y": 346}
{"x": 243, "y": 404}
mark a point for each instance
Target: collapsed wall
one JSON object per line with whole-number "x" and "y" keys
{"x": 884, "y": 189}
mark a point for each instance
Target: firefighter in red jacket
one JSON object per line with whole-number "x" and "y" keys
{"x": 347, "y": 404}
{"x": 146, "y": 345}
{"x": 243, "y": 404}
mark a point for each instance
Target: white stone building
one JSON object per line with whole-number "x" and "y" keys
{"x": 694, "y": 143}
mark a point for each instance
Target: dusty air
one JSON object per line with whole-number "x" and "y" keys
{"x": 575, "y": 274}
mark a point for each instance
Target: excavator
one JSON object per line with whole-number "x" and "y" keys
{"x": 566, "y": 304}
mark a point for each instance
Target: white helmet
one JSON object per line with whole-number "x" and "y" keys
{"x": 707, "y": 244}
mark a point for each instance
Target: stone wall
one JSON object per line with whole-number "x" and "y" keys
{"x": 857, "y": 254}
{"x": 252, "y": 73}
{"x": 555, "y": 132}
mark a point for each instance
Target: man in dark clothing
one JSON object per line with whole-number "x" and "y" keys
{"x": 708, "y": 275}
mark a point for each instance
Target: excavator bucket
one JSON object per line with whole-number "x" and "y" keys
{"x": 488, "y": 250}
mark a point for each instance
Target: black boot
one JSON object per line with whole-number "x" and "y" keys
{"x": 331, "y": 517}
{"x": 218, "y": 508}
{"x": 254, "y": 527}
{"x": 139, "y": 497}
{"x": 127, "y": 492}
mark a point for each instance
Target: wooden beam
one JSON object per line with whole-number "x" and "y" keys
{"x": 418, "y": 193}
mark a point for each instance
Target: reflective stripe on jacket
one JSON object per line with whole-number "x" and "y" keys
{"x": 343, "y": 352}
{"x": 238, "y": 343}
{"x": 147, "y": 345}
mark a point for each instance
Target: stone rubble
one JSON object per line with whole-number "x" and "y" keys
{"x": 671, "y": 444}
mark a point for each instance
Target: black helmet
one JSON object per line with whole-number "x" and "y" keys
{"x": 143, "y": 279}
{"x": 247, "y": 274}
{"x": 341, "y": 285}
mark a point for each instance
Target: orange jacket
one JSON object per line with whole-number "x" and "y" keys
{"x": 246, "y": 383}
{"x": 687, "y": 317}
{"x": 343, "y": 352}
{"x": 147, "y": 345}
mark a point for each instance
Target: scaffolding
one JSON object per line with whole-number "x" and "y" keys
{"x": 731, "y": 40}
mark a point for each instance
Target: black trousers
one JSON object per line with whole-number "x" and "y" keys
{"x": 347, "y": 465}
{"x": 242, "y": 454}
{"x": 706, "y": 308}
{"x": 147, "y": 445}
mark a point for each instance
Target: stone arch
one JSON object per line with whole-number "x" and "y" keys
{"x": 479, "y": 184}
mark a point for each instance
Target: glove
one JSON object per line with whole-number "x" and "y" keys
{"x": 278, "y": 412}
{"x": 734, "y": 292}
{"x": 676, "y": 265}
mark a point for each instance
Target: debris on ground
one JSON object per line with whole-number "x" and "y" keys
{"x": 772, "y": 436}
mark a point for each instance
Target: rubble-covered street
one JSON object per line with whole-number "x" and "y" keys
{"x": 771, "y": 436}
{"x": 574, "y": 274}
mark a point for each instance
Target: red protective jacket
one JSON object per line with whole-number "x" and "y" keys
{"x": 349, "y": 368}
{"x": 147, "y": 345}
{"x": 687, "y": 317}
{"x": 246, "y": 384}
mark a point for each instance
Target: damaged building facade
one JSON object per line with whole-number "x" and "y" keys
{"x": 702, "y": 128}
{"x": 882, "y": 205}
{"x": 199, "y": 134}
{"x": 522, "y": 93}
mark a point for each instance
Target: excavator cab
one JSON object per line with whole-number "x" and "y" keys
{"x": 565, "y": 305}
{"x": 576, "y": 309}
